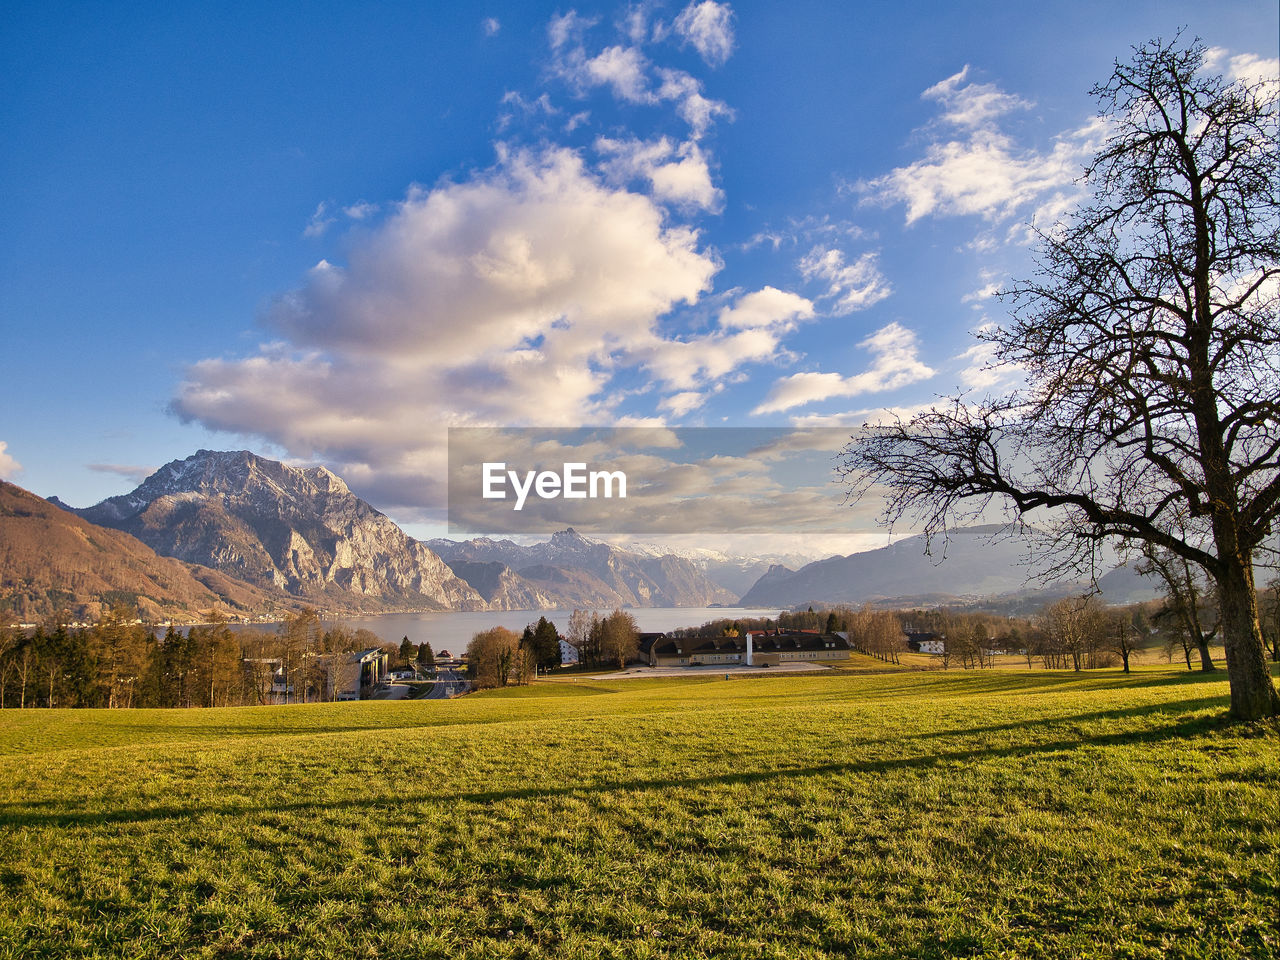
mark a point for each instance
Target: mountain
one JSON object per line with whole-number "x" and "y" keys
{"x": 53, "y": 561}
{"x": 975, "y": 563}
{"x": 737, "y": 574}
{"x": 570, "y": 570}
{"x": 298, "y": 530}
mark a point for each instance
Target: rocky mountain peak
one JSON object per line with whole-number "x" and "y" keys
{"x": 298, "y": 529}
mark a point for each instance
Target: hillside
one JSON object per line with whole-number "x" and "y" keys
{"x": 298, "y": 530}
{"x": 52, "y": 560}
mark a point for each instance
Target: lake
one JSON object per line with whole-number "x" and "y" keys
{"x": 452, "y": 631}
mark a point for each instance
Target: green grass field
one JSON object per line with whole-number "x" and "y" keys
{"x": 1026, "y": 814}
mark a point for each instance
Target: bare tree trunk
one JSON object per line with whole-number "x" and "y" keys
{"x": 1206, "y": 661}
{"x": 1253, "y": 695}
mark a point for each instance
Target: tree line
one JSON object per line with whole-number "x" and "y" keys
{"x": 498, "y": 657}
{"x": 120, "y": 662}
{"x": 1069, "y": 633}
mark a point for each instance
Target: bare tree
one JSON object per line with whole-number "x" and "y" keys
{"x": 1074, "y": 627}
{"x": 1150, "y": 346}
{"x": 1185, "y": 599}
{"x": 619, "y": 638}
{"x": 580, "y": 635}
{"x": 1271, "y": 617}
{"x": 491, "y": 655}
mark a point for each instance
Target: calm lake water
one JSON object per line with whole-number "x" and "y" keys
{"x": 452, "y": 631}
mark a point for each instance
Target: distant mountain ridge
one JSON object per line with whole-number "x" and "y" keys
{"x": 975, "y": 562}
{"x": 53, "y": 562}
{"x": 571, "y": 570}
{"x": 299, "y": 530}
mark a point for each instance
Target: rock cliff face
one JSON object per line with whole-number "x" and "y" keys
{"x": 570, "y": 570}
{"x": 300, "y": 530}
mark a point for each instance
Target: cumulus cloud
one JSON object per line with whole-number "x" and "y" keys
{"x": 565, "y": 30}
{"x": 980, "y": 170}
{"x": 749, "y": 332}
{"x": 1248, "y": 67}
{"x": 491, "y": 26}
{"x": 678, "y": 404}
{"x": 766, "y": 308}
{"x": 624, "y": 69}
{"x": 628, "y": 74}
{"x": 675, "y": 173}
{"x": 850, "y": 286}
{"x": 896, "y": 364}
{"x": 9, "y": 467}
{"x": 515, "y": 296}
{"x": 709, "y": 27}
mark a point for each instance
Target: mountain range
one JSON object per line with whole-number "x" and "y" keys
{"x": 570, "y": 570}
{"x": 302, "y": 533}
{"x": 255, "y": 536}
{"x": 982, "y": 562}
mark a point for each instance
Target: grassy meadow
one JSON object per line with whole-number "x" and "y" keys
{"x": 1003, "y": 814}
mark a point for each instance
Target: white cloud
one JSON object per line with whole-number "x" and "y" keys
{"x": 693, "y": 108}
{"x": 9, "y": 467}
{"x": 749, "y": 332}
{"x": 850, "y": 286}
{"x": 130, "y": 472}
{"x": 320, "y": 221}
{"x": 681, "y": 403}
{"x": 896, "y": 364}
{"x": 569, "y": 28}
{"x": 624, "y": 69}
{"x": 629, "y": 75}
{"x": 1248, "y": 67}
{"x": 986, "y": 175}
{"x": 982, "y": 369}
{"x": 360, "y": 210}
{"x": 972, "y": 104}
{"x": 709, "y": 27}
{"x": 982, "y": 171}
{"x": 766, "y": 308}
{"x": 871, "y": 416}
{"x": 491, "y": 26}
{"x": 676, "y": 173}
{"x": 510, "y": 298}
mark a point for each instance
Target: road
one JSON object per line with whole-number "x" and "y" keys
{"x": 449, "y": 683}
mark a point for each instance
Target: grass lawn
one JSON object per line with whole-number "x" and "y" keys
{"x": 1016, "y": 814}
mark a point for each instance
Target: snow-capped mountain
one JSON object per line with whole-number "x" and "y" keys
{"x": 571, "y": 570}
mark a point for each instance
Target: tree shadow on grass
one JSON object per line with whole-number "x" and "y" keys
{"x": 22, "y": 814}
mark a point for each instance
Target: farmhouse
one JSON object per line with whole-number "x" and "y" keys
{"x": 925, "y": 641}
{"x": 758, "y": 648}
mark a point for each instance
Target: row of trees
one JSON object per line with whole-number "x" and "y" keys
{"x": 1071, "y": 633}
{"x": 498, "y": 657}
{"x": 119, "y": 662}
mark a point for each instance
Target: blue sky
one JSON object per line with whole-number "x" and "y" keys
{"x": 327, "y": 232}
